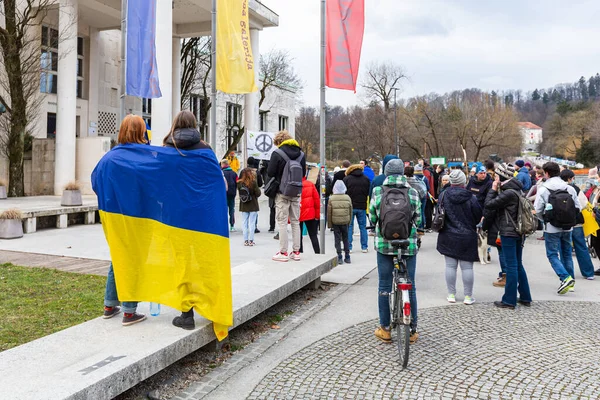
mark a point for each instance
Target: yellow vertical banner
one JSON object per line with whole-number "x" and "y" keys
{"x": 235, "y": 62}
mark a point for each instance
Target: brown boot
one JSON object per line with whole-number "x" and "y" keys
{"x": 500, "y": 282}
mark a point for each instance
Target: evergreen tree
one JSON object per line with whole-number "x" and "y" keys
{"x": 592, "y": 87}
{"x": 536, "y": 95}
{"x": 583, "y": 89}
{"x": 546, "y": 98}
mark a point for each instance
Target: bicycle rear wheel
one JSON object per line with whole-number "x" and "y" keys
{"x": 403, "y": 338}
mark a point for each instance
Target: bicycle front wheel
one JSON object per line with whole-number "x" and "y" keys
{"x": 403, "y": 338}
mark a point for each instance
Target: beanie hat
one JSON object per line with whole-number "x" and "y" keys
{"x": 474, "y": 169}
{"x": 520, "y": 163}
{"x": 418, "y": 169}
{"x": 339, "y": 187}
{"x": 505, "y": 171}
{"x": 481, "y": 169}
{"x": 528, "y": 165}
{"x": 457, "y": 178}
{"x": 394, "y": 167}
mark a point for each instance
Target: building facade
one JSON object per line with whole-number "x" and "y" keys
{"x": 80, "y": 76}
{"x": 532, "y": 136}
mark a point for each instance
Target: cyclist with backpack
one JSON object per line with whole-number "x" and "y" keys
{"x": 249, "y": 192}
{"x": 557, "y": 202}
{"x": 287, "y": 166}
{"x": 503, "y": 203}
{"x": 395, "y": 210}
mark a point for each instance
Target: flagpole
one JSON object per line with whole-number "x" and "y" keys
{"x": 213, "y": 78}
{"x": 123, "y": 59}
{"x": 322, "y": 130}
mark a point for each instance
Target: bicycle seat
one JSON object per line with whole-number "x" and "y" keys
{"x": 403, "y": 244}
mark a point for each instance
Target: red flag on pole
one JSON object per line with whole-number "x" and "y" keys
{"x": 345, "y": 28}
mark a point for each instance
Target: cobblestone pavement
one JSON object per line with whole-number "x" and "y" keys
{"x": 548, "y": 351}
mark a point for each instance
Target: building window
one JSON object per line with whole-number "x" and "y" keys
{"x": 283, "y": 122}
{"x": 49, "y": 62}
{"x": 51, "y": 126}
{"x": 198, "y": 108}
{"x": 147, "y": 112}
{"x": 234, "y": 119}
{"x": 263, "y": 115}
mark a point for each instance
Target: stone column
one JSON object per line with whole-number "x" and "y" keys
{"x": 93, "y": 79}
{"x": 176, "y": 77}
{"x": 162, "y": 108}
{"x": 251, "y": 116}
{"x": 64, "y": 170}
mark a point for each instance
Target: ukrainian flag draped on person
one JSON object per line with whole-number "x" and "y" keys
{"x": 164, "y": 215}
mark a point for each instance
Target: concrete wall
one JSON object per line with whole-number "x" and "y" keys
{"x": 89, "y": 151}
{"x": 42, "y": 168}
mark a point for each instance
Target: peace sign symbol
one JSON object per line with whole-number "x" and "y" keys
{"x": 264, "y": 143}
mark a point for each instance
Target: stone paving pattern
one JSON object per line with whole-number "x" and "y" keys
{"x": 465, "y": 352}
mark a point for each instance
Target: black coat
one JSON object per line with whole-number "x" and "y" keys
{"x": 277, "y": 163}
{"x": 186, "y": 139}
{"x": 503, "y": 203}
{"x": 231, "y": 178}
{"x": 357, "y": 187}
{"x": 480, "y": 188}
{"x": 338, "y": 176}
{"x": 458, "y": 239}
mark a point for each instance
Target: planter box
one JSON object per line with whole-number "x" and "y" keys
{"x": 2, "y": 192}
{"x": 11, "y": 228}
{"x": 71, "y": 198}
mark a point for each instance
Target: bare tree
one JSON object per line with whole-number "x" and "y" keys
{"x": 195, "y": 75}
{"x": 379, "y": 80}
{"x": 20, "y": 79}
{"x": 307, "y": 129}
{"x": 276, "y": 70}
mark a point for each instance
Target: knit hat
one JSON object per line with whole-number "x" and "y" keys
{"x": 418, "y": 169}
{"x": 505, "y": 171}
{"x": 593, "y": 172}
{"x": 339, "y": 187}
{"x": 520, "y": 163}
{"x": 394, "y": 167}
{"x": 528, "y": 165}
{"x": 481, "y": 169}
{"x": 474, "y": 169}
{"x": 457, "y": 178}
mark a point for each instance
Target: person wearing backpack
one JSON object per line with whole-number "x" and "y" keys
{"x": 457, "y": 241}
{"x": 557, "y": 203}
{"x": 231, "y": 179}
{"x": 395, "y": 210}
{"x": 249, "y": 192}
{"x": 310, "y": 212}
{"x": 339, "y": 215}
{"x": 582, "y": 253}
{"x": 502, "y": 204}
{"x": 358, "y": 186}
{"x": 288, "y": 166}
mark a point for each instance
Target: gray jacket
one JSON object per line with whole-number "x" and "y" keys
{"x": 418, "y": 185}
{"x": 543, "y": 193}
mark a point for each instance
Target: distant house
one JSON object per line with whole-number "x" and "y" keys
{"x": 532, "y": 136}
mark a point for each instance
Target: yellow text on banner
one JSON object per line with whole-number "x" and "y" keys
{"x": 235, "y": 62}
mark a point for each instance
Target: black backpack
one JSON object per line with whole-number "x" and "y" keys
{"x": 563, "y": 213}
{"x": 395, "y": 216}
{"x": 291, "y": 179}
{"x": 245, "y": 195}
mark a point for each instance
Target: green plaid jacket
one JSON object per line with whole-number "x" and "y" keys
{"x": 381, "y": 245}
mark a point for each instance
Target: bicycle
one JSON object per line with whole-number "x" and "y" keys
{"x": 400, "y": 308}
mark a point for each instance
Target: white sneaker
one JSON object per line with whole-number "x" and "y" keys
{"x": 284, "y": 257}
{"x": 451, "y": 298}
{"x": 468, "y": 300}
{"x": 295, "y": 255}
{"x": 365, "y": 250}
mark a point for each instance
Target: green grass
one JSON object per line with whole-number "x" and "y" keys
{"x": 35, "y": 302}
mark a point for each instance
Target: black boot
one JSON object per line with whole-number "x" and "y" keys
{"x": 185, "y": 320}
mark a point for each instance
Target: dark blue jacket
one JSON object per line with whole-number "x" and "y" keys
{"x": 479, "y": 188}
{"x": 378, "y": 180}
{"x": 458, "y": 239}
{"x": 231, "y": 178}
{"x": 524, "y": 178}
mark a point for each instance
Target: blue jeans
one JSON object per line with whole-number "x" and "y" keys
{"x": 559, "y": 253}
{"x": 361, "y": 217}
{"x": 111, "y": 298}
{"x": 502, "y": 261}
{"x": 516, "y": 277}
{"x": 231, "y": 206}
{"x": 249, "y": 224}
{"x": 385, "y": 267}
{"x": 582, "y": 253}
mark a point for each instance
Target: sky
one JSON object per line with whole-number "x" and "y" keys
{"x": 446, "y": 45}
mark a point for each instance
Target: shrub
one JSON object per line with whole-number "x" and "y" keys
{"x": 73, "y": 186}
{"x": 12, "y": 213}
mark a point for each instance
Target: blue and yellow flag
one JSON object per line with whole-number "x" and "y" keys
{"x": 164, "y": 215}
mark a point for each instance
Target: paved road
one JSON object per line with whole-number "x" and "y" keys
{"x": 548, "y": 351}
